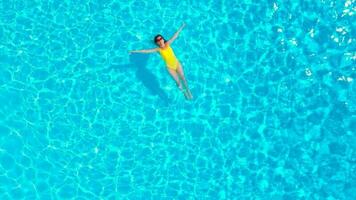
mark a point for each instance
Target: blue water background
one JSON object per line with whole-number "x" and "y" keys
{"x": 273, "y": 114}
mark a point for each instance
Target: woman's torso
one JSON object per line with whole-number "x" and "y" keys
{"x": 168, "y": 56}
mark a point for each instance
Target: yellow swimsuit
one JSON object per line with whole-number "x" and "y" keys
{"x": 169, "y": 57}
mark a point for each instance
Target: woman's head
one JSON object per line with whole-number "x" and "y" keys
{"x": 159, "y": 40}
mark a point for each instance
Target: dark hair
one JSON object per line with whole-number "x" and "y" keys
{"x": 157, "y": 36}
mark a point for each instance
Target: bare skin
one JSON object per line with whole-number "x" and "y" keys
{"x": 178, "y": 74}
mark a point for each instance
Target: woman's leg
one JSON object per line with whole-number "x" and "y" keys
{"x": 181, "y": 75}
{"x": 174, "y": 75}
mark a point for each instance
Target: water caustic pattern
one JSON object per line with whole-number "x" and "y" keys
{"x": 273, "y": 114}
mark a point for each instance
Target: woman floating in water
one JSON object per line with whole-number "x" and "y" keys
{"x": 173, "y": 65}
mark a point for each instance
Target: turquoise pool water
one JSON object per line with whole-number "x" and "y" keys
{"x": 273, "y": 114}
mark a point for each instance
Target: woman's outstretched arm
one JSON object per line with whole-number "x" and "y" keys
{"x": 145, "y": 51}
{"x": 176, "y": 34}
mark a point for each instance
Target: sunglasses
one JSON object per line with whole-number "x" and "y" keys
{"x": 159, "y": 39}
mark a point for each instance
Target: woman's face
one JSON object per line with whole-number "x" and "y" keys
{"x": 160, "y": 42}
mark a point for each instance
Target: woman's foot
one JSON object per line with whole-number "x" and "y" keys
{"x": 188, "y": 95}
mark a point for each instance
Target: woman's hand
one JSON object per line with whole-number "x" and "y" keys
{"x": 183, "y": 25}
{"x": 176, "y": 34}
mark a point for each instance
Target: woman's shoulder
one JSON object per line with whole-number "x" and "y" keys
{"x": 168, "y": 46}
{"x": 164, "y": 48}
